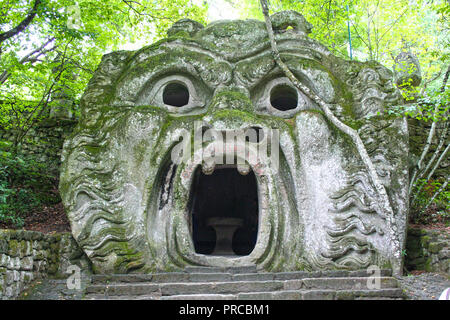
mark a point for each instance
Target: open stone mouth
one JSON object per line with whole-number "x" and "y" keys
{"x": 215, "y": 212}
{"x": 223, "y": 211}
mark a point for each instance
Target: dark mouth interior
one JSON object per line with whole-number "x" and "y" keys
{"x": 224, "y": 208}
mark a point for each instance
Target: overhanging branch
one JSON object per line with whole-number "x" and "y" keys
{"x": 383, "y": 198}
{"x": 22, "y": 25}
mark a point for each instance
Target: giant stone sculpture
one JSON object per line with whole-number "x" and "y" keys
{"x": 132, "y": 209}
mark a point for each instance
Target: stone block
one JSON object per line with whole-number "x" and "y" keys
{"x": 16, "y": 276}
{"x": 435, "y": 247}
{"x": 9, "y": 277}
{"x": 28, "y": 277}
{"x": 27, "y": 263}
{"x": 4, "y": 260}
{"x": 29, "y": 248}
{"x": 23, "y": 248}
{"x": 14, "y": 263}
{"x": 414, "y": 232}
{"x": 14, "y": 250}
{"x": 425, "y": 240}
{"x": 2, "y": 284}
{"x": 3, "y": 246}
{"x": 9, "y": 292}
{"x": 444, "y": 254}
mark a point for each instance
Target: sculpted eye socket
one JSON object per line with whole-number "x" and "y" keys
{"x": 283, "y": 97}
{"x": 279, "y": 97}
{"x": 176, "y": 94}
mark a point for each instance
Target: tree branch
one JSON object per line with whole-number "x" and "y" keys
{"x": 444, "y": 81}
{"x": 130, "y": 3}
{"x": 442, "y": 188}
{"x": 43, "y": 103}
{"x": 418, "y": 167}
{"x": 392, "y": 25}
{"x": 438, "y": 149}
{"x": 21, "y": 26}
{"x": 31, "y": 57}
{"x": 381, "y": 191}
{"x": 429, "y": 140}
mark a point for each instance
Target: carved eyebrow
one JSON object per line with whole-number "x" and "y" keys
{"x": 138, "y": 75}
{"x": 130, "y": 87}
{"x": 252, "y": 71}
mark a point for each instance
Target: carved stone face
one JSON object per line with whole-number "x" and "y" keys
{"x": 132, "y": 208}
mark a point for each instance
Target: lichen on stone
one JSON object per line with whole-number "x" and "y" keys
{"x": 128, "y": 202}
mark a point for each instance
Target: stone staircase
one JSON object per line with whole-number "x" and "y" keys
{"x": 242, "y": 283}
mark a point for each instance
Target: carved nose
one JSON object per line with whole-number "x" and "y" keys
{"x": 231, "y": 108}
{"x": 232, "y": 98}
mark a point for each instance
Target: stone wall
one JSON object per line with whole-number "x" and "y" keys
{"x": 44, "y": 141}
{"x": 28, "y": 255}
{"x": 427, "y": 250}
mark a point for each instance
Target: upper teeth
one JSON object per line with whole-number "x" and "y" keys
{"x": 243, "y": 169}
{"x": 208, "y": 167}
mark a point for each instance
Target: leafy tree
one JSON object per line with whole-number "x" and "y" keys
{"x": 51, "y": 48}
{"x": 381, "y": 30}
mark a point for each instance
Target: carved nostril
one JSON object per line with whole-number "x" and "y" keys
{"x": 176, "y": 94}
{"x": 283, "y": 97}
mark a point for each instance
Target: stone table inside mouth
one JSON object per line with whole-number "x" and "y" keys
{"x": 225, "y": 228}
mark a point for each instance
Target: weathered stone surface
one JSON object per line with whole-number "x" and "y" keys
{"x": 129, "y": 203}
{"x": 29, "y": 255}
{"x": 427, "y": 250}
{"x": 44, "y": 143}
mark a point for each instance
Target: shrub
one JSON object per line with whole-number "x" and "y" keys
{"x": 24, "y": 186}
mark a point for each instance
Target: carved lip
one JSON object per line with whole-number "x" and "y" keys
{"x": 179, "y": 232}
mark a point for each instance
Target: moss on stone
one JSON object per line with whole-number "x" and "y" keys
{"x": 425, "y": 240}
{"x": 435, "y": 247}
{"x": 14, "y": 248}
{"x": 208, "y": 56}
{"x": 428, "y": 265}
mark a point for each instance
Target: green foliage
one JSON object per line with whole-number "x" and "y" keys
{"x": 54, "y": 57}
{"x": 432, "y": 106}
{"x": 439, "y": 211}
{"x": 48, "y": 64}
{"x": 429, "y": 202}
{"x": 380, "y": 30}
{"x": 24, "y": 185}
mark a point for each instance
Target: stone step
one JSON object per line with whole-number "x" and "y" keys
{"x": 200, "y": 297}
{"x": 224, "y": 277}
{"x": 233, "y": 287}
{"x": 199, "y": 269}
{"x": 322, "y": 294}
{"x": 384, "y": 294}
{"x": 129, "y": 297}
{"x": 185, "y": 288}
{"x": 354, "y": 283}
